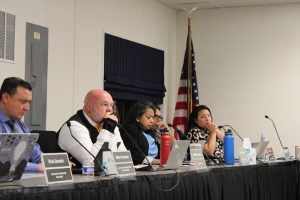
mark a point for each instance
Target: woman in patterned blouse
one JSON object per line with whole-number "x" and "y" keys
{"x": 202, "y": 127}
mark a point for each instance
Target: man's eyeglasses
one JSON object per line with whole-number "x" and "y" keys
{"x": 158, "y": 117}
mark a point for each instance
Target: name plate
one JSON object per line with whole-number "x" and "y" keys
{"x": 124, "y": 163}
{"x": 197, "y": 158}
{"x": 57, "y": 168}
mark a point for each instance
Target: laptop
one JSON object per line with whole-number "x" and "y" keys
{"x": 260, "y": 148}
{"x": 176, "y": 156}
{"x": 15, "y": 150}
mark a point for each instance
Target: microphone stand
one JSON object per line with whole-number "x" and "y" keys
{"x": 151, "y": 168}
{"x": 180, "y": 133}
{"x": 95, "y": 159}
{"x": 267, "y": 117}
{"x": 286, "y": 152}
{"x": 232, "y": 129}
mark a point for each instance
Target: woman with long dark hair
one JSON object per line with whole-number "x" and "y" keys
{"x": 202, "y": 127}
{"x": 138, "y": 137}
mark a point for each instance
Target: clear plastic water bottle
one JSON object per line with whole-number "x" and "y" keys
{"x": 229, "y": 148}
{"x": 88, "y": 167}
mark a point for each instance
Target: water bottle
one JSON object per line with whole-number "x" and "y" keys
{"x": 88, "y": 167}
{"x": 247, "y": 147}
{"x": 165, "y": 146}
{"x": 229, "y": 148}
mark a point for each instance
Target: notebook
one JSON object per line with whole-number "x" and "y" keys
{"x": 260, "y": 148}
{"x": 15, "y": 150}
{"x": 176, "y": 156}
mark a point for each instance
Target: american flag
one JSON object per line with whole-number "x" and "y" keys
{"x": 187, "y": 96}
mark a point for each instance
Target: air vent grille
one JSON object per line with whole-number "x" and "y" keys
{"x": 7, "y": 36}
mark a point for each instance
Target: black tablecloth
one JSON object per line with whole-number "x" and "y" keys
{"x": 258, "y": 182}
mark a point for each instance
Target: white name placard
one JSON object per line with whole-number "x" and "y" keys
{"x": 197, "y": 158}
{"x": 124, "y": 163}
{"x": 57, "y": 168}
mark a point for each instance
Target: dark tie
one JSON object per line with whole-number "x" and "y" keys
{"x": 11, "y": 125}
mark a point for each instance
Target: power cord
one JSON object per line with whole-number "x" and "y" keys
{"x": 166, "y": 190}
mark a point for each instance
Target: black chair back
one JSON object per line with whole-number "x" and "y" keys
{"x": 47, "y": 140}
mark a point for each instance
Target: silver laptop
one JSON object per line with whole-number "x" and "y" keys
{"x": 178, "y": 151}
{"x": 15, "y": 150}
{"x": 260, "y": 148}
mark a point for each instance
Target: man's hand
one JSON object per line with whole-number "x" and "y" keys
{"x": 40, "y": 167}
{"x": 109, "y": 124}
{"x": 111, "y": 116}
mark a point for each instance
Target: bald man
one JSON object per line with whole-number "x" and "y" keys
{"x": 91, "y": 126}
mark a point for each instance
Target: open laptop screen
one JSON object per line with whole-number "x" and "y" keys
{"x": 178, "y": 151}
{"x": 15, "y": 150}
{"x": 260, "y": 148}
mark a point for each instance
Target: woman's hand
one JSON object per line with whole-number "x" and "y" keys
{"x": 212, "y": 127}
{"x": 210, "y": 146}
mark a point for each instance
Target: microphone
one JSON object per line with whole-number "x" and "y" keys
{"x": 267, "y": 117}
{"x": 286, "y": 152}
{"x": 95, "y": 159}
{"x": 180, "y": 133}
{"x": 137, "y": 146}
{"x": 222, "y": 127}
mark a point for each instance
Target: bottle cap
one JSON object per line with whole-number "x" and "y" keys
{"x": 228, "y": 132}
{"x": 164, "y": 131}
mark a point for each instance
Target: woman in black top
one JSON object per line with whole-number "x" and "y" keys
{"x": 138, "y": 137}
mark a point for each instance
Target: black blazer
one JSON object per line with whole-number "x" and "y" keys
{"x": 140, "y": 142}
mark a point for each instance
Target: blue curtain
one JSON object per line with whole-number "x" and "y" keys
{"x": 133, "y": 71}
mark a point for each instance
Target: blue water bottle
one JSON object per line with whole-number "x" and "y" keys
{"x": 229, "y": 148}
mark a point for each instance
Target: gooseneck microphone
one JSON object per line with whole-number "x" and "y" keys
{"x": 222, "y": 126}
{"x": 137, "y": 146}
{"x": 100, "y": 166}
{"x": 150, "y": 166}
{"x": 180, "y": 133}
{"x": 267, "y": 117}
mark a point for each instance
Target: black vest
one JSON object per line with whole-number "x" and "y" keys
{"x": 80, "y": 118}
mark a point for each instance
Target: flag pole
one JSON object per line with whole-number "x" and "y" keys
{"x": 188, "y": 83}
{"x": 189, "y": 68}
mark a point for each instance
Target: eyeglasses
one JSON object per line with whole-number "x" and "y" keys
{"x": 158, "y": 117}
